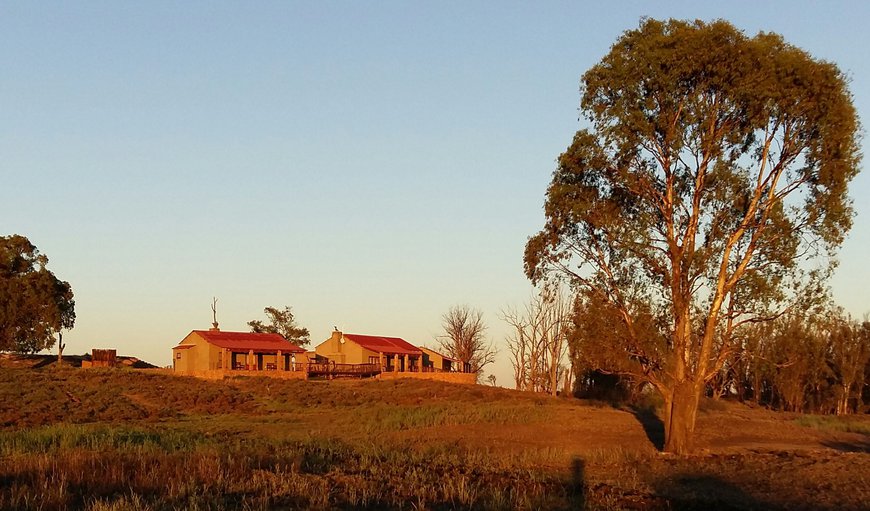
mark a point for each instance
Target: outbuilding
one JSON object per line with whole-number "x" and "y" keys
{"x": 390, "y": 354}
{"x": 210, "y": 350}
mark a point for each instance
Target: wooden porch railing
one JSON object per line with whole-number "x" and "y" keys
{"x": 331, "y": 369}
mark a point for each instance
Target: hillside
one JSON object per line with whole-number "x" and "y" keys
{"x": 130, "y": 439}
{"x": 36, "y": 361}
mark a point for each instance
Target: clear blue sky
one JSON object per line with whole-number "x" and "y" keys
{"x": 369, "y": 163}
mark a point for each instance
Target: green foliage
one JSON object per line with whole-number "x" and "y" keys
{"x": 283, "y": 323}
{"x": 34, "y": 304}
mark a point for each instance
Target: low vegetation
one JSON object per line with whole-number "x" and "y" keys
{"x": 850, "y": 424}
{"x": 125, "y": 439}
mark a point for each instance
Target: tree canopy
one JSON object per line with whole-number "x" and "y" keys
{"x": 34, "y": 304}
{"x": 714, "y": 171}
{"x": 283, "y": 323}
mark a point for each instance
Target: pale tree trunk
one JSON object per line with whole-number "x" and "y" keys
{"x": 520, "y": 368}
{"x": 568, "y": 383}
{"x": 756, "y": 386}
{"x": 557, "y": 317}
{"x": 535, "y": 358}
{"x": 518, "y": 344}
{"x": 682, "y": 409}
{"x": 843, "y": 403}
{"x": 60, "y": 347}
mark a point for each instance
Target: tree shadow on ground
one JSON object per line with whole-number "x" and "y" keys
{"x": 699, "y": 491}
{"x": 44, "y": 361}
{"x": 652, "y": 425}
{"x": 691, "y": 491}
{"x": 687, "y": 491}
{"x": 577, "y": 489}
{"x": 849, "y": 446}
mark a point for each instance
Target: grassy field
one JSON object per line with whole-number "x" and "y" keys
{"x": 124, "y": 439}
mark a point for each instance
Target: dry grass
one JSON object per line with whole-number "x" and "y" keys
{"x": 118, "y": 440}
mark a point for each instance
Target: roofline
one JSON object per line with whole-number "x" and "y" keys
{"x": 440, "y": 354}
{"x": 416, "y": 350}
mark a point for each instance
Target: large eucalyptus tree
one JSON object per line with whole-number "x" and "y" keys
{"x": 713, "y": 174}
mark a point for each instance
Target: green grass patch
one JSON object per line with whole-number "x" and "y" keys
{"x": 396, "y": 418}
{"x": 60, "y": 437}
{"x": 849, "y": 424}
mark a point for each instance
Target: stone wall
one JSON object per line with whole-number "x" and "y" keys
{"x": 468, "y": 378}
{"x": 220, "y": 374}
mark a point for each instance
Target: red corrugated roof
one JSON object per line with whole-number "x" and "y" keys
{"x": 391, "y": 345}
{"x": 247, "y": 341}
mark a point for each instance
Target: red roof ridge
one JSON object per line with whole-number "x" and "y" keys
{"x": 384, "y": 344}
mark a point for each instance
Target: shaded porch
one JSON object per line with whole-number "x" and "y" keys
{"x": 260, "y": 360}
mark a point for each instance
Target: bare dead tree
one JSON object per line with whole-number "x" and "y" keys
{"x": 519, "y": 346}
{"x": 527, "y": 345}
{"x": 538, "y": 344}
{"x": 214, "y": 323}
{"x": 464, "y": 337}
{"x": 556, "y": 315}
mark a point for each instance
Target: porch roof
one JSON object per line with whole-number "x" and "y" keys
{"x": 433, "y": 352}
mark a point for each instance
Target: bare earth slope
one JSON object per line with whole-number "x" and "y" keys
{"x": 125, "y": 439}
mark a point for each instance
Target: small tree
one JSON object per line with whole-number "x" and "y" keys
{"x": 34, "y": 304}
{"x": 283, "y": 323}
{"x": 715, "y": 164}
{"x": 465, "y": 338}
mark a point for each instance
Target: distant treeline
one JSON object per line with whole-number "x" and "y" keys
{"x": 809, "y": 360}
{"x": 811, "y": 363}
